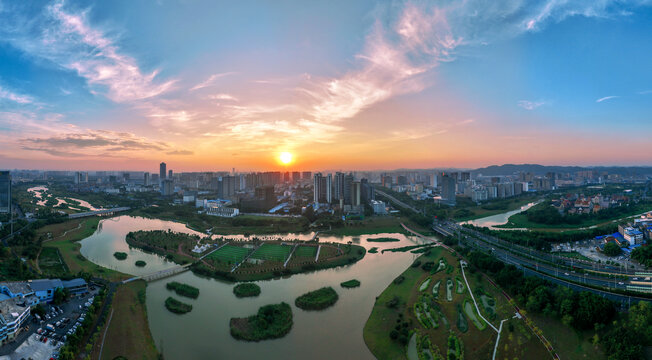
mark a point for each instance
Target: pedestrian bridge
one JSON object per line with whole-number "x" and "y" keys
{"x": 160, "y": 274}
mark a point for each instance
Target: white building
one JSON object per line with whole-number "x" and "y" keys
{"x": 379, "y": 207}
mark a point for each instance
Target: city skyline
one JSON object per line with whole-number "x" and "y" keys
{"x": 369, "y": 86}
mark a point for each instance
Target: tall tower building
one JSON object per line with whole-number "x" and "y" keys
{"x": 338, "y": 190}
{"x": 146, "y": 179}
{"x": 162, "y": 171}
{"x": 329, "y": 188}
{"x": 355, "y": 193}
{"x": 317, "y": 187}
{"x": 5, "y": 192}
{"x": 170, "y": 173}
{"x": 448, "y": 188}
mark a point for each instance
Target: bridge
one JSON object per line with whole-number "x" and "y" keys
{"x": 160, "y": 274}
{"x": 98, "y": 212}
{"x": 442, "y": 231}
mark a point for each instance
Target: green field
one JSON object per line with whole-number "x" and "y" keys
{"x": 230, "y": 253}
{"x": 272, "y": 252}
{"x": 306, "y": 251}
{"x": 51, "y": 263}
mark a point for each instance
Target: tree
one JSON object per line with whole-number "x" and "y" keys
{"x": 59, "y": 296}
{"x": 611, "y": 249}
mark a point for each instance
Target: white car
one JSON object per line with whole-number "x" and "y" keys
{"x": 621, "y": 283}
{"x": 566, "y": 274}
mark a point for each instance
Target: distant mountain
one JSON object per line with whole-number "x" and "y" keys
{"x": 510, "y": 169}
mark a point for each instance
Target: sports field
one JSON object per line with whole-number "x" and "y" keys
{"x": 272, "y": 252}
{"x": 306, "y": 251}
{"x": 230, "y": 253}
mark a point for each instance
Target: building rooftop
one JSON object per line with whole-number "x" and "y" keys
{"x": 45, "y": 284}
{"x": 74, "y": 283}
{"x": 10, "y": 309}
{"x": 17, "y": 287}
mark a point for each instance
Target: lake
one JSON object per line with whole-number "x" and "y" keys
{"x": 334, "y": 333}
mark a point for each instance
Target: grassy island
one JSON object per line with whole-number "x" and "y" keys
{"x": 271, "y": 322}
{"x": 248, "y": 259}
{"x": 383, "y": 239}
{"x": 140, "y": 263}
{"x": 246, "y": 290}
{"x": 350, "y": 284}
{"x": 177, "y": 306}
{"x": 120, "y": 255}
{"x": 183, "y": 289}
{"x": 317, "y": 300}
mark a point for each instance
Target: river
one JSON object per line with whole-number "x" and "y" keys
{"x": 334, "y": 333}
{"x": 39, "y": 191}
{"x": 498, "y": 219}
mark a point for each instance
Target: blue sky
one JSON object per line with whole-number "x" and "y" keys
{"x": 365, "y": 84}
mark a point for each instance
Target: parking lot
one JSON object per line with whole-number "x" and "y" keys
{"x": 47, "y": 334}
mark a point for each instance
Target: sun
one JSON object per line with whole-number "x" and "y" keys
{"x": 285, "y": 158}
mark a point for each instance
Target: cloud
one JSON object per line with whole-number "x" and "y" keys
{"x": 530, "y": 105}
{"x": 645, "y": 92}
{"x": 93, "y": 143}
{"x": 210, "y": 81}
{"x": 607, "y": 98}
{"x": 179, "y": 152}
{"x": 66, "y": 39}
{"x": 225, "y": 97}
{"x": 12, "y": 96}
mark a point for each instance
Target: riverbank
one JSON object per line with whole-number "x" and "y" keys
{"x": 127, "y": 333}
{"x": 65, "y": 238}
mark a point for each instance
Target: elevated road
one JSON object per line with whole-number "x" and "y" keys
{"x": 397, "y": 201}
{"x": 98, "y": 212}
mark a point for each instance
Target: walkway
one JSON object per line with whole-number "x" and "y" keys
{"x": 285, "y": 264}
{"x": 160, "y": 274}
{"x": 318, "y": 250}
{"x": 428, "y": 238}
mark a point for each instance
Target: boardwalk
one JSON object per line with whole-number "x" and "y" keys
{"x": 290, "y": 256}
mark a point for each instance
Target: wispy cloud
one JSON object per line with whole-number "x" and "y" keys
{"x": 92, "y": 143}
{"x": 645, "y": 92}
{"x": 210, "y": 81}
{"x": 12, "y": 96}
{"x": 531, "y": 105}
{"x": 67, "y": 39}
{"x": 607, "y": 98}
{"x": 226, "y": 97}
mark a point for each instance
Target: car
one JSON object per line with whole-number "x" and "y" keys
{"x": 635, "y": 279}
{"x": 44, "y": 340}
{"x": 567, "y": 274}
{"x": 621, "y": 283}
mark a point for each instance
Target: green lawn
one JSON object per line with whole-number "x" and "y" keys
{"x": 68, "y": 246}
{"x": 306, "y": 251}
{"x": 51, "y": 263}
{"x": 272, "y": 252}
{"x": 230, "y": 253}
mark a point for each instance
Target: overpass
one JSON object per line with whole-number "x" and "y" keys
{"x": 397, "y": 201}
{"x": 98, "y": 212}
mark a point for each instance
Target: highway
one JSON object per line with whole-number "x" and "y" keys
{"x": 547, "y": 271}
{"x": 397, "y": 201}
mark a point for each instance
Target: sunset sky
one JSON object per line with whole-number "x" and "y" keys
{"x": 208, "y": 85}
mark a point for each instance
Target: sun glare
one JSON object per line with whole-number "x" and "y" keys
{"x": 285, "y": 158}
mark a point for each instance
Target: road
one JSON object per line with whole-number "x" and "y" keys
{"x": 550, "y": 272}
{"x": 397, "y": 201}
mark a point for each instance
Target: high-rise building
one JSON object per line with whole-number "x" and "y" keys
{"x": 448, "y": 189}
{"x": 146, "y": 179}
{"x": 296, "y": 176}
{"x": 355, "y": 193}
{"x": 167, "y": 187}
{"x": 5, "y": 192}
{"x": 348, "y": 179}
{"x": 401, "y": 180}
{"x": 306, "y": 175}
{"x": 170, "y": 173}
{"x": 162, "y": 172}
{"x": 316, "y": 187}
{"x": 465, "y": 176}
{"x": 386, "y": 181}
{"x": 322, "y": 192}
{"x": 338, "y": 189}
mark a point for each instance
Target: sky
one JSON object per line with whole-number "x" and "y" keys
{"x": 215, "y": 85}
